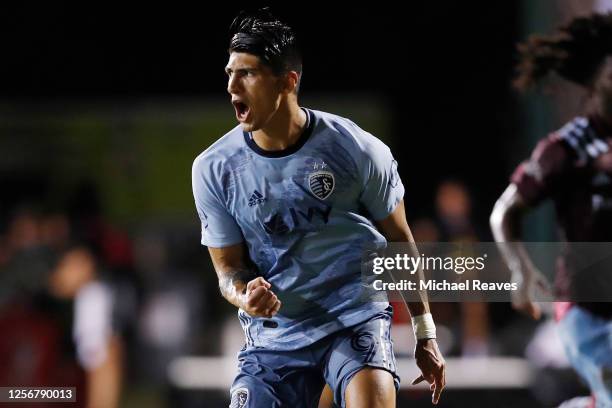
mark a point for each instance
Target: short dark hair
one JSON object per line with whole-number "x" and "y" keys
{"x": 262, "y": 34}
{"x": 575, "y": 52}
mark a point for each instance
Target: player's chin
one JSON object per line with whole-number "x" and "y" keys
{"x": 248, "y": 126}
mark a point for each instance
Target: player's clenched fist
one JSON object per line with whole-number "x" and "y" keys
{"x": 259, "y": 300}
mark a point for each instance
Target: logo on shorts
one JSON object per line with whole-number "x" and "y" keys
{"x": 240, "y": 397}
{"x": 321, "y": 184}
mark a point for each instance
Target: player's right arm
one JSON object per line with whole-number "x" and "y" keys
{"x": 239, "y": 285}
{"x": 505, "y": 221}
{"x": 532, "y": 182}
{"x": 238, "y": 280}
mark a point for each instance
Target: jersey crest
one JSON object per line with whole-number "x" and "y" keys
{"x": 321, "y": 184}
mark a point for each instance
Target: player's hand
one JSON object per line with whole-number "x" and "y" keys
{"x": 432, "y": 365}
{"x": 529, "y": 308}
{"x": 259, "y": 300}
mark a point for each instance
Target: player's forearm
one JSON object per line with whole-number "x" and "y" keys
{"x": 422, "y": 307}
{"x": 395, "y": 229}
{"x": 104, "y": 381}
{"x": 416, "y": 308}
{"x": 517, "y": 259}
{"x": 422, "y": 320}
{"x": 505, "y": 224}
{"x": 233, "y": 283}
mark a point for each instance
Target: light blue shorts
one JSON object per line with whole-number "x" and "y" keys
{"x": 295, "y": 379}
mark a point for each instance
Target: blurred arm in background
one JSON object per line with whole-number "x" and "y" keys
{"x": 505, "y": 223}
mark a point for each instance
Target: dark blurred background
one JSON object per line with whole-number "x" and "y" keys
{"x": 103, "y": 109}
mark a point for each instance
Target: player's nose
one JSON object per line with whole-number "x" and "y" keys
{"x": 232, "y": 84}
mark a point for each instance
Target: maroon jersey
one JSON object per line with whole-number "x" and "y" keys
{"x": 573, "y": 167}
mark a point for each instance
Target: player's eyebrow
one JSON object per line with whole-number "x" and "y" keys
{"x": 229, "y": 70}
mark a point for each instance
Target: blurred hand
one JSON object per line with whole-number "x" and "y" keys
{"x": 529, "y": 308}
{"x": 259, "y": 300}
{"x": 432, "y": 366}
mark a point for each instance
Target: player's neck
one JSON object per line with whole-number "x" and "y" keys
{"x": 283, "y": 129}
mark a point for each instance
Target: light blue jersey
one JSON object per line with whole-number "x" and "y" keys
{"x": 305, "y": 214}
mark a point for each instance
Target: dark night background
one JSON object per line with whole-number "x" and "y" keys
{"x": 444, "y": 69}
{"x": 103, "y": 109}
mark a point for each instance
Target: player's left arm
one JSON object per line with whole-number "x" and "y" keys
{"x": 428, "y": 357}
{"x": 104, "y": 380}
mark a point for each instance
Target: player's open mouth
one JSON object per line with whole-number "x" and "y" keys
{"x": 242, "y": 110}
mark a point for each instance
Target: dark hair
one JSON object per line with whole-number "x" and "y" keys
{"x": 260, "y": 33}
{"x": 575, "y": 52}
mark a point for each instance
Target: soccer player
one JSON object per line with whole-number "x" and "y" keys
{"x": 573, "y": 167}
{"x": 287, "y": 201}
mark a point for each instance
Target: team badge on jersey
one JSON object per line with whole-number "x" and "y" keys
{"x": 240, "y": 397}
{"x": 321, "y": 184}
{"x": 394, "y": 178}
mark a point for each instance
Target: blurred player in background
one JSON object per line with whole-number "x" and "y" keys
{"x": 99, "y": 347}
{"x": 454, "y": 219}
{"x": 288, "y": 200}
{"x": 573, "y": 167}
{"x": 61, "y": 320}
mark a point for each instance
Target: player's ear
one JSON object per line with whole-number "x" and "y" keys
{"x": 290, "y": 81}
